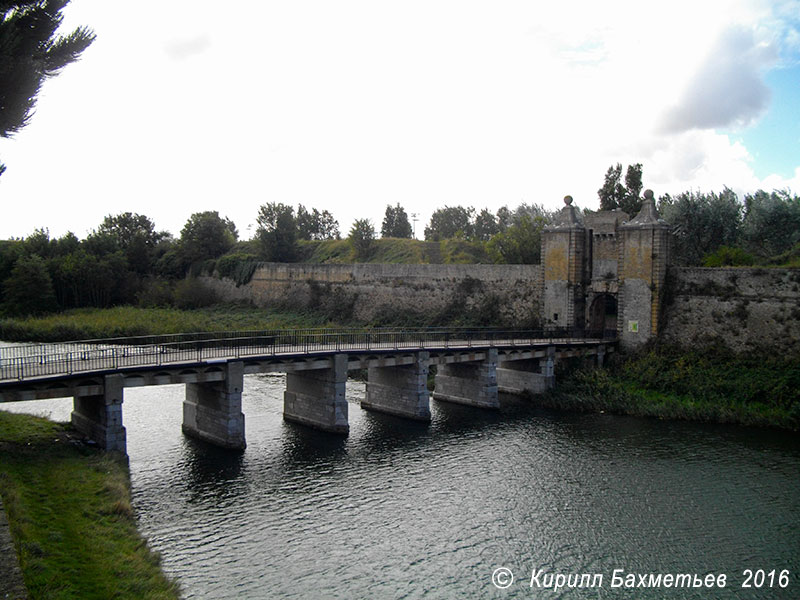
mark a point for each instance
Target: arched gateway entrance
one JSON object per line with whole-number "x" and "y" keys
{"x": 603, "y": 315}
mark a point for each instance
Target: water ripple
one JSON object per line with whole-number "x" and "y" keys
{"x": 402, "y": 509}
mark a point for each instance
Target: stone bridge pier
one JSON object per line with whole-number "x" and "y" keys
{"x": 99, "y": 416}
{"x": 316, "y": 397}
{"x": 473, "y": 383}
{"x": 400, "y": 390}
{"x": 212, "y": 411}
{"x": 316, "y": 383}
{"x": 530, "y": 375}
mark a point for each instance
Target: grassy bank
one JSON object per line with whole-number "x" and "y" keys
{"x": 123, "y": 321}
{"x": 395, "y": 251}
{"x": 70, "y": 515}
{"x": 92, "y": 323}
{"x": 699, "y": 386}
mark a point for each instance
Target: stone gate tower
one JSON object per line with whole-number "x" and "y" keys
{"x": 604, "y": 272}
{"x": 644, "y": 252}
{"x": 563, "y": 260}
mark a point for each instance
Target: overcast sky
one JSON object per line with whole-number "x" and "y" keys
{"x": 181, "y": 107}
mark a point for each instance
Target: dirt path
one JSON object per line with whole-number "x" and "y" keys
{"x": 11, "y": 584}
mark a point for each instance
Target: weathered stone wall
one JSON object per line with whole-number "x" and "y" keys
{"x": 509, "y": 294}
{"x": 563, "y": 254}
{"x": 743, "y": 308}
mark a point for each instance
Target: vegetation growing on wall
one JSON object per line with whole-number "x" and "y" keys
{"x": 718, "y": 229}
{"x": 714, "y": 386}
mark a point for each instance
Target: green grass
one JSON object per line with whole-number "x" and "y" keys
{"x": 327, "y": 251}
{"x": 123, "y": 321}
{"x": 70, "y": 515}
{"x": 699, "y": 386}
{"x": 396, "y": 251}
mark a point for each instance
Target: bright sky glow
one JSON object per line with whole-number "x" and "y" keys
{"x": 180, "y": 107}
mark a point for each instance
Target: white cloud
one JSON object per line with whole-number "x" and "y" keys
{"x": 183, "y": 48}
{"x": 353, "y": 105}
{"x": 727, "y": 89}
{"x": 776, "y": 182}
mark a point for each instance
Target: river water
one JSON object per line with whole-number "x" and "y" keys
{"x": 400, "y": 509}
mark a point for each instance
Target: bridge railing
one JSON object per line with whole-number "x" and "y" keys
{"x": 41, "y": 360}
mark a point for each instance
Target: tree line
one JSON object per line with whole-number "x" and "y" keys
{"x": 717, "y": 228}
{"x": 127, "y": 260}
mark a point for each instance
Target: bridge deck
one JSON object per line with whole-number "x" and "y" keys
{"x": 470, "y": 366}
{"x": 37, "y": 363}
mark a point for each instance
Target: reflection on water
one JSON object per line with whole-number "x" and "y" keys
{"x": 401, "y": 509}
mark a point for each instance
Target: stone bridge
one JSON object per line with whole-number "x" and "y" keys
{"x": 472, "y": 366}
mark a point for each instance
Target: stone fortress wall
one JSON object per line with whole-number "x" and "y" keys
{"x": 744, "y": 309}
{"x": 600, "y": 272}
{"x": 369, "y": 291}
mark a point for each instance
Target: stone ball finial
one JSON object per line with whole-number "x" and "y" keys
{"x": 567, "y": 200}
{"x": 648, "y": 194}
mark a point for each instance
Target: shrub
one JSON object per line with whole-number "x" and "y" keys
{"x": 726, "y": 256}
{"x": 155, "y": 293}
{"x": 239, "y": 267}
{"x": 29, "y": 288}
{"x": 192, "y": 293}
{"x": 362, "y": 237}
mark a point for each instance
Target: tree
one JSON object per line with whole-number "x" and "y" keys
{"x": 396, "y": 223}
{"x": 362, "y": 236}
{"x": 316, "y": 225}
{"x": 30, "y": 53}
{"x": 207, "y": 235}
{"x": 29, "y": 288}
{"x": 127, "y": 228}
{"x": 504, "y": 218}
{"x": 450, "y": 222}
{"x": 66, "y": 244}
{"x": 612, "y": 192}
{"x": 534, "y": 211}
{"x": 277, "y": 232}
{"x": 613, "y": 195}
{"x": 632, "y": 202}
{"x": 84, "y": 279}
{"x": 10, "y": 252}
{"x": 701, "y": 223}
{"x": 132, "y": 233}
{"x": 520, "y": 243}
{"x": 485, "y": 226}
{"x": 39, "y": 243}
{"x": 771, "y": 223}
